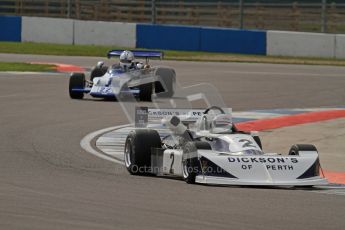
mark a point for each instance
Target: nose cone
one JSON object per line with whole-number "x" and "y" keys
{"x": 266, "y": 169}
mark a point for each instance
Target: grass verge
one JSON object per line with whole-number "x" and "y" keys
{"x": 25, "y": 67}
{"x": 100, "y": 51}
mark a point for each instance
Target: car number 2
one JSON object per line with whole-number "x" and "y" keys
{"x": 105, "y": 90}
{"x": 247, "y": 143}
{"x": 172, "y": 156}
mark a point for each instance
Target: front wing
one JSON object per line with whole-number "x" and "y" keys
{"x": 271, "y": 170}
{"x": 257, "y": 170}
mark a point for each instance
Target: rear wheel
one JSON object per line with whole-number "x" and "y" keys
{"x": 145, "y": 92}
{"x": 166, "y": 86}
{"x": 138, "y": 150}
{"x": 76, "y": 82}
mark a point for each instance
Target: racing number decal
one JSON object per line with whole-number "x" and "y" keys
{"x": 172, "y": 156}
{"x": 105, "y": 90}
{"x": 247, "y": 143}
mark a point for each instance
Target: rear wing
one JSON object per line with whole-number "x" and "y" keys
{"x": 145, "y": 115}
{"x": 138, "y": 54}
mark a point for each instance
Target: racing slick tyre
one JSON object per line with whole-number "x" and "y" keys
{"x": 294, "y": 150}
{"x": 76, "y": 81}
{"x": 202, "y": 145}
{"x": 145, "y": 92}
{"x": 138, "y": 150}
{"x": 190, "y": 163}
{"x": 98, "y": 72}
{"x": 168, "y": 79}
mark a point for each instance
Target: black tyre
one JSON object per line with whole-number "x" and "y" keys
{"x": 202, "y": 145}
{"x": 190, "y": 163}
{"x": 98, "y": 72}
{"x": 145, "y": 92}
{"x": 138, "y": 150}
{"x": 168, "y": 79}
{"x": 294, "y": 150}
{"x": 76, "y": 81}
{"x": 258, "y": 141}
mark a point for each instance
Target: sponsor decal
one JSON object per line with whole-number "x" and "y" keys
{"x": 144, "y": 114}
{"x": 141, "y": 118}
{"x": 271, "y": 163}
{"x": 182, "y": 113}
{"x": 279, "y": 167}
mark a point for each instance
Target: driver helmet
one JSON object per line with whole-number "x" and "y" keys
{"x": 140, "y": 65}
{"x": 126, "y": 59}
{"x": 221, "y": 123}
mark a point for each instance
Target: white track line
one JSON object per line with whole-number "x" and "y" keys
{"x": 85, "y": 143}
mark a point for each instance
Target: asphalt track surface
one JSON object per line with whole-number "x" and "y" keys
{"x": 48, "y": 182}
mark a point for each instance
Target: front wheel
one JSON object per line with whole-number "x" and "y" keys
{"x": 190, "y": 170}
{"x": 190, "y": 161}
{"x": 295, "y": 149}
{"x": 76, "y": 85}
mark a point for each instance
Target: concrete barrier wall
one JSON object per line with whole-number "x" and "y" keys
{"x": 283, "y": 43}
{"x": 105, "y": 33}
{"x": 190, "y": 38}
{"x": 340, "y": 46}
{"x": 68, "y": 31}
{"x": 48, "y": 30}
{"x": 11, "y": 27}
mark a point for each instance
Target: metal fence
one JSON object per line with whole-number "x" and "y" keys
{"x": 309, "y": 15}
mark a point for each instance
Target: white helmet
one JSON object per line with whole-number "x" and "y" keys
{"x": 221, "y": 123}
{"x": 126, "y": 59}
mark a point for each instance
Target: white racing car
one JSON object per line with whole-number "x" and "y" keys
{"x": 125, "y": 78}
{"x": 205, "y": 147}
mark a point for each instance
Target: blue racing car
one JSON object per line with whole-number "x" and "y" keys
{"x": 126, "y": 77}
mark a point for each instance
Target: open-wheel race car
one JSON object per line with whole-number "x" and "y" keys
{"x": 206, "y": 147}
{"x": 128, "y": 77}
